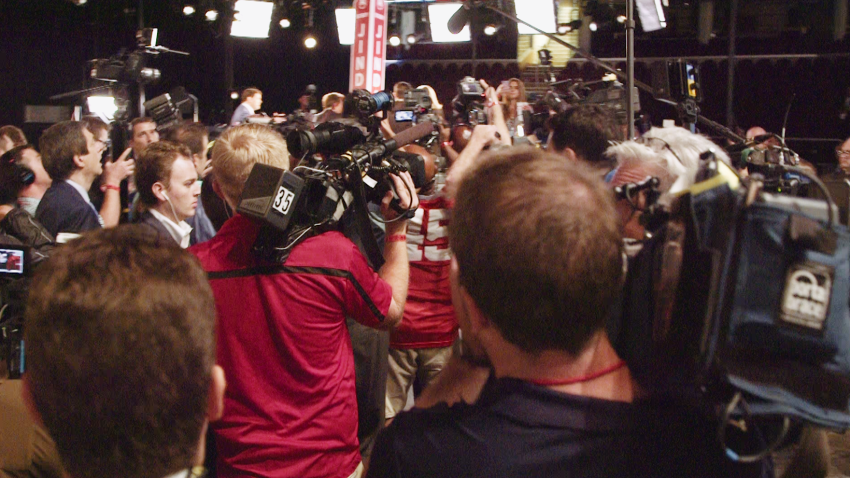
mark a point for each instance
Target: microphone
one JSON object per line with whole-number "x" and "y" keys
{"x": 461, "y": 17}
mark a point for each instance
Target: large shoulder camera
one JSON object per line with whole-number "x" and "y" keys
{"x": 468, "y": 105}
{"x": 343, "y": 166}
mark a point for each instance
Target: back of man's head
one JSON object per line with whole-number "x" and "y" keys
{"x": 551, "y": 264}
{"x": 59, "y": 144}
{"x": 238, "y": 149}
{"x": 193, "y": 135}
{"x": 588, "y": 130}
{"x": 120, "y": 334}
{"x": 400, "y": 88}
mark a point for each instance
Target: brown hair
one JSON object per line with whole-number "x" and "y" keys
{"x": 95, "y": 125}
{"x": 551, "y": 264}
{"x": 59, "y": 144}
{"x": 155, "y": 166}
{"x": 120, "y": 341}
{"x": 238, "y": 149}
{"x": 249, "y": 92}
{"x": 191, "y": 135}
{"x": 15, "y": 134}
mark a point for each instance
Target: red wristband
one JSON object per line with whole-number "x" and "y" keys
{"x": 396, "y": 238}
{"x": 446, "y": 144}
{"x": 113, "y": 187}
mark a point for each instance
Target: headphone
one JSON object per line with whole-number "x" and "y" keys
{"x": 16, "y": 172}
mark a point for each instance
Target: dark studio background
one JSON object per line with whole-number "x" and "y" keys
{"x": 45, "y": 46}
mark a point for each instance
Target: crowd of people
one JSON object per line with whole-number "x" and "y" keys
{"x": 480, "y": 346}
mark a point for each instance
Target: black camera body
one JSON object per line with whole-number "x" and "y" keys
{"x": 468, "y": 105}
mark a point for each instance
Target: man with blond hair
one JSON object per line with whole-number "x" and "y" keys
{"x": 291, "y": 408}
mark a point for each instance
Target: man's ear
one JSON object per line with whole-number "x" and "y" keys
{"x": 159, "y": 191}
{"x": 215, "y": 401}
{"x": 29, "y": 403}
{"x": 570, "y": 154}
{"x": 79, "y": 163}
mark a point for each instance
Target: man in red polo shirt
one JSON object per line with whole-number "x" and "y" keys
{"x": 290, "y": 408}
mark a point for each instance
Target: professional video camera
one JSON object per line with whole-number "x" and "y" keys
{"x": 14, "y": 271}
{"x": 417, "y": 109}
{"x": 740, "y": 302}
{"x": 767, "y": 155}
{"x": 536, "y": 121}
{"x": 468, "y": 105}
{"x": 168, "y": 109}
{"x": 353, "y": 170}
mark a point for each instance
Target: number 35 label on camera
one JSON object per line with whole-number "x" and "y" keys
{"x": 805, "y": 300}
{"x": 283, "y": 200}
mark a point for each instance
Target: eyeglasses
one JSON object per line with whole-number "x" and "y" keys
{"x": 648, "y": 141}
{"x": 841, "y": 152}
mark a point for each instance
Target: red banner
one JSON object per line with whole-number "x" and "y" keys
{"x": 369, "y": 52}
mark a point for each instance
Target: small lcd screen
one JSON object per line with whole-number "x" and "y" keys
{"x": 403, "y": 115}
{"x": 12, "y": 261}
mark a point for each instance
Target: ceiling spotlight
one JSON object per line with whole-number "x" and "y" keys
{"x": 212, "y": 15}
{"x": 490, "y": 29}
{"x": 593, "y": 26}
{"x": 188, "y": 10}
{"x": 78, "y": 2}
{"x": 310, "y": 42}
{"x": 285, "y": 23}
{"x": 411, "y": 39}
{"x": 621, "y": 19}
{"x": 234, "y": 95}
{"x": 395, "y": 40}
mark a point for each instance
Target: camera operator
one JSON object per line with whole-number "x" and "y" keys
{"x": 10, "y": 137}
{"x": 545, "y": 392}
{"x": 291, "y": 408}
{"x": 31, "y": 194}
{"x": 106, "y": 189}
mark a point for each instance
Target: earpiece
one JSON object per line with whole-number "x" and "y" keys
{"x": 165, "y": 195}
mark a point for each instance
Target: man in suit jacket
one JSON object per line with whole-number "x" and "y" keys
{"x": 252, "y": 99}
{"x": 71, "y": 156}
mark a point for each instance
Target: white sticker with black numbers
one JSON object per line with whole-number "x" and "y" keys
{"x": 283, "y": 200}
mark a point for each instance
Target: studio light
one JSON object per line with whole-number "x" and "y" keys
{"x": 412, "y": 39}
{"x": 251, "y": 19}
{"x": 394, "y": 39}
{"x": 621, "y": 19}
{"x": 593, "y": 26}
{"x": 212, "y": 15}
{"x": 564, "y": 28}
{"x": 188, "y": 10}
{"x": 651, "y": 14}
{"x": 285, "y": 23}
{"x": 490, "y": 29}
{"x": 540, "y": 13}
{"x": 310, "y": 41}
{"x": 439, "y": 15}
{"x": 234, "y": 95}
{"x": 102, "y": 106}
{"x": 345, "y": 20}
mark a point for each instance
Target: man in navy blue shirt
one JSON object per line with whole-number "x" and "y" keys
{"x": 538, "y": 262}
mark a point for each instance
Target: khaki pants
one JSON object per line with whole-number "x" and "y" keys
{"x": 406, "y": 365}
